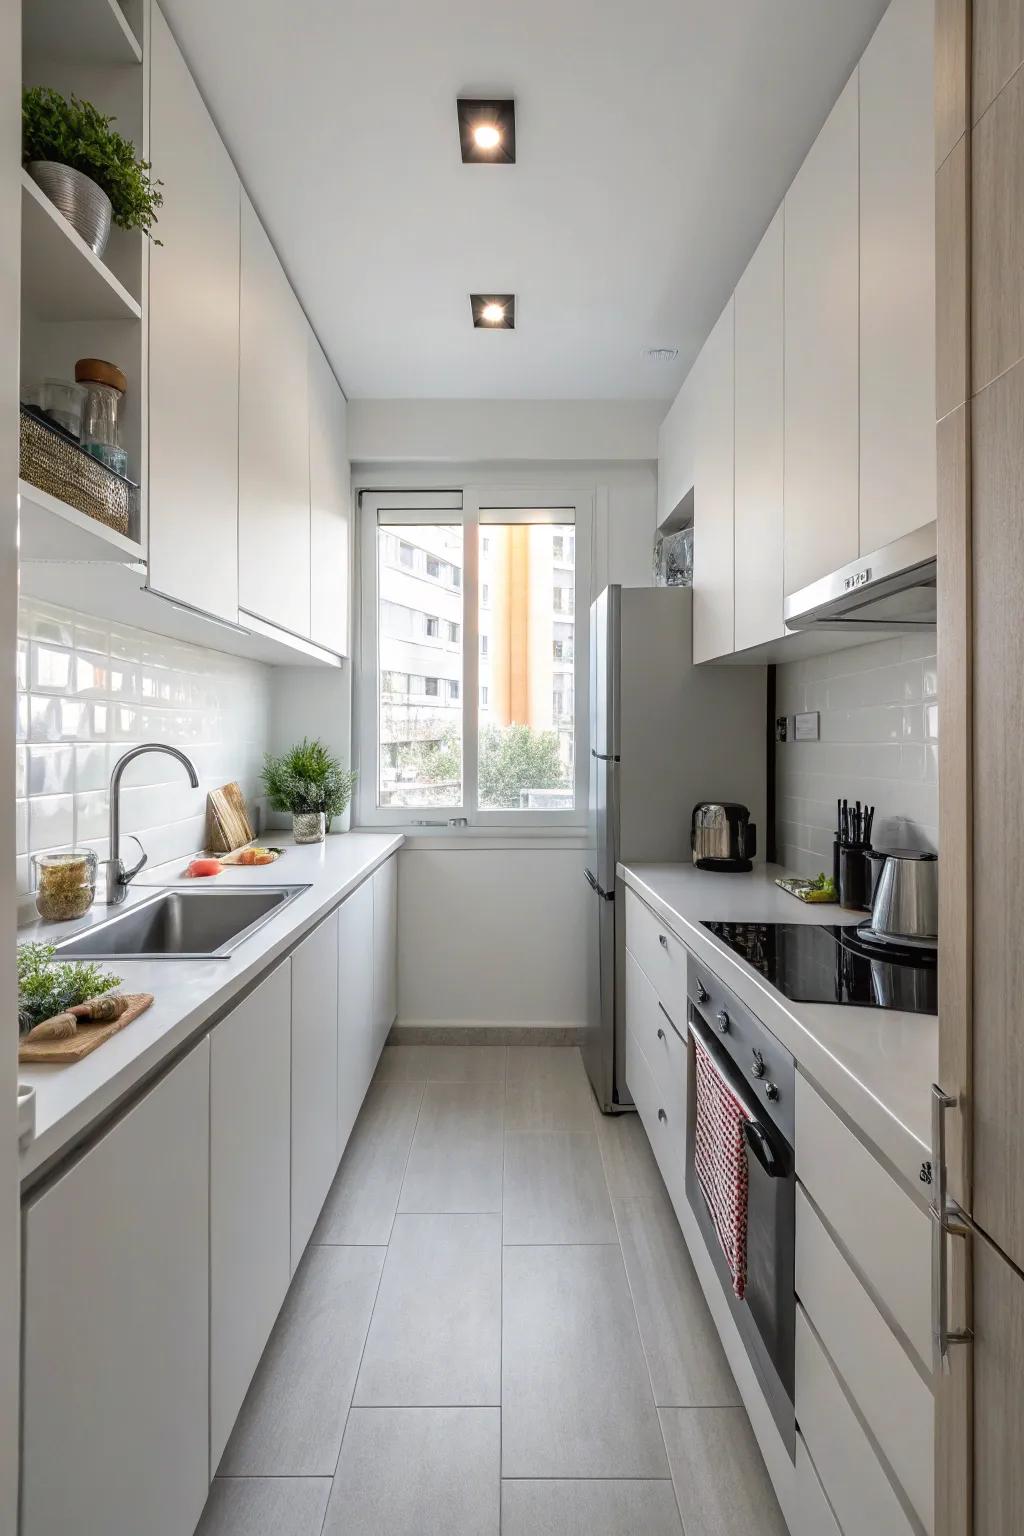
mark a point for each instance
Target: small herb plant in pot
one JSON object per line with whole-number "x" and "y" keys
{"x": 309, "y": 783}
{"x": 88, "y": 171}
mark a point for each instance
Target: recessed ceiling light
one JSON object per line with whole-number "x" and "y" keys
{"x": 487, "y": 131}
{"x": 493, "y": 311}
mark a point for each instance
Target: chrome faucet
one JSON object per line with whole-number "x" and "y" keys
{"x": 116, "y": 876}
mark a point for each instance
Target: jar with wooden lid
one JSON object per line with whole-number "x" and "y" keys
{"x": 104, "y": 384}
{"x": 64, "y": 883}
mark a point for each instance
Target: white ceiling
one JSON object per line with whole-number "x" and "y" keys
{"x": 655, "y": 138}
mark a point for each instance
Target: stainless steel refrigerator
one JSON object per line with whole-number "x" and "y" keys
{"x": 663, "y": 735}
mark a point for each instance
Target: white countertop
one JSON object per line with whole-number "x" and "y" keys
{"x": 877, "y": 1064}
{"x": 70, "y": 1100}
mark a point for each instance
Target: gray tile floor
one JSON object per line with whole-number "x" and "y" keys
{"x": 496, "y": 1327}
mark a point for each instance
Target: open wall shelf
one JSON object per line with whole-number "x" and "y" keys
{"x": 61, "y": 279}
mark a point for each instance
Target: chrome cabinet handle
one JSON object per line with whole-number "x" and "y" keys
{"x": 662, "y": 1116}
{"x": 948, "y": 1220}
{"x": 661, "y": 1033}
{"x": 663, "y": 941}
{"x": 668, "y": 1019}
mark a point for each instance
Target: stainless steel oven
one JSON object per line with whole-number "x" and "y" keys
{"x": 762, "y": 1076}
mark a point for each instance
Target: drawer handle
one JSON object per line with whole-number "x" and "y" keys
{"x": 661, "y": 1033}
{"x": 668, "y": 1020}
{"x": 663, "y": 941}
{"x": 662, "y": 1117}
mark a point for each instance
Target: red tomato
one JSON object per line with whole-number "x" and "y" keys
{"x": 205, "y": 867}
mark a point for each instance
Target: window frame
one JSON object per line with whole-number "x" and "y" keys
{"x": 465, "y": 507}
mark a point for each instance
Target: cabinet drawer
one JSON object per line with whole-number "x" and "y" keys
{"x": 812, "y": 1514}
{"x": 660, "y": 1036}
{"x": 888, "y": 1235}
{"x": 659, "y": 953}
{"x": 852, "y": 1476}
{"x": 662, "y": 1121}
{"x": 879, "y": 1375}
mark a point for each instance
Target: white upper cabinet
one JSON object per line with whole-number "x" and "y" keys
{"x": 273, "y": 439}
{"x": 330, "y": 515}
{"x": 193, "y": 346}
{"x": 897, "y": 276}
{"x": 821, "y": 339}
{"x": 759, "y": 443}
{"x": 675, "y": 450}
{"x": 713, "y": 487}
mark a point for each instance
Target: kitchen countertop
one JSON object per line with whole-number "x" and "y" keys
{"x": 71, "y": 1100}
{"x": 876, "y": 1064}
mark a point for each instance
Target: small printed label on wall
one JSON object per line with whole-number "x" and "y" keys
{"x": 805, "y": 726}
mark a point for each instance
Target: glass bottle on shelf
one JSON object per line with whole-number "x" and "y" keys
{"x": 104, "y": 386}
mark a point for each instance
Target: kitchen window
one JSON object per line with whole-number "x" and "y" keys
{"x": 491, "y": 729}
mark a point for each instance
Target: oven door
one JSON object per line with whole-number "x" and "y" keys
{"x": 766, "y": 1317}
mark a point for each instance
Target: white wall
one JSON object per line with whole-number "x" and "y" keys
{"x": 311, "y": 701}
{"x": 478, "y": 431}
{"x": 879, "y": 744}
{"x": 492, "y": 936}
{"x": 497, "y": 935}
{"x": 10, "y": 256}
{"x": 87, "y": 690}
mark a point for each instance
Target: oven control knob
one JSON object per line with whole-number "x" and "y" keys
{"x": 722, "y": 1020}
{"x": 702, "y": 992}
{"x": 757, "y": 1070}
{"x": 771, "y": 1093}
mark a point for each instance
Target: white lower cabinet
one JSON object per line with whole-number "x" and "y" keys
{"x": 656, "y": 1065}
{"x": 812, "y": 1513}
{"x": 314, "y": 1078}
{"x": 250, "y": 1195}
{"x": 891, "y": 1396}
{"x": 858, "y": 1487}
{"x": 385, "y": 949}
{"x": 116, "y": 1325}
{"x": 357, "y": 1038}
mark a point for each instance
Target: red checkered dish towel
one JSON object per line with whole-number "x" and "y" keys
{"x": 720, "y": 1159}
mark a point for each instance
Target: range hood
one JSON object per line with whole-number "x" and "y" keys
{"x": 894, "y": 588}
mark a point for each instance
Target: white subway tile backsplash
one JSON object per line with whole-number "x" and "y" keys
{"x": 87, "y": 691}
{"x": 878, "y": 743}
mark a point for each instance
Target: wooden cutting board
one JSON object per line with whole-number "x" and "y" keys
{"x": 86, "y": 1038}
{"x": 227, "y": 819}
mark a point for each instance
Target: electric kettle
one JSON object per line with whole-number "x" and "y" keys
{"x": 905, "y": 903}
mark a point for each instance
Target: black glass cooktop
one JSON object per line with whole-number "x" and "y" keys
{"x": 824, "y": 963}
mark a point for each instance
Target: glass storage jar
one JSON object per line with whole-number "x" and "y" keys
{"x": 104, "y": 386}
{"x": 64, "y": 883}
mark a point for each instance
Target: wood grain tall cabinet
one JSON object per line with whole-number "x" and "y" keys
{"x": 979, "y": 200}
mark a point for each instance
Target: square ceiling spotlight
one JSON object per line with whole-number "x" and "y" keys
{"x": 487, "y": 132}
{"x": 494, "y": 311}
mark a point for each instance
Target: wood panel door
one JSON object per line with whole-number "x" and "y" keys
{"x": 980, "y": 347}
{"x": 193, "y": 345}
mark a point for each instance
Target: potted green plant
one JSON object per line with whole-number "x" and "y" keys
{"x": 87, "y": 170}
{"x": 309, "y": 783}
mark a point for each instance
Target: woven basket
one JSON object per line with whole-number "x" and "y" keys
{"x": 52, "y": 461}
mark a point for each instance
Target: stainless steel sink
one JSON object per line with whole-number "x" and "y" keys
{"x": 183, "y": 924}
